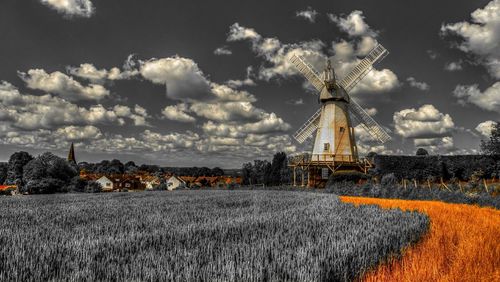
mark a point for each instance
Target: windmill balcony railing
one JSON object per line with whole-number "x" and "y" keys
{"x": 321, "y": 159}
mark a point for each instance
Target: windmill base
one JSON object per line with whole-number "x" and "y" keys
{"x": 314, "y": 174}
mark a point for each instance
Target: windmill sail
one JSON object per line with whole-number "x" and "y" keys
{"x": 368, "y": 122}
{"x": 364, "y": 67}
{"x": 308, "y": 128}
{"x": 308, "y": 71}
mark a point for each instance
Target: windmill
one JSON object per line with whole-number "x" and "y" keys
{"x": 335, "y": 146}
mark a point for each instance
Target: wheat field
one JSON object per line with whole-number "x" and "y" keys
{"x": 463, "y": 244}
{"x": 198, "y": 235}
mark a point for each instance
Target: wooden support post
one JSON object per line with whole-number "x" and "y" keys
{"x": 404, "y": 183}
{"x": 428, "y": 184}
{"x": 294, "y": 177}
{"x": 445, "y": 186}
{"x": 485, "y": 185}
{"x": 302, "y": 178}
{"x": 415, "y": 182}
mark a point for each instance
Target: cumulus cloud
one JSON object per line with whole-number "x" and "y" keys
{"x": 62, "y": 85}
{"x": 308, "y": 14}
{"x": 70, "y": 8}
{"x": 417, "y": 84}
{"x": 91, "y": 73}
{"x": 453, "y": 66}
{"x": 481, "y": 36}
{"x": 182, "y": 77}
{"x": 353, "y": 24}
{"x": 487, "y": 100}
{"x": 436, "y": 144}
{"x": 485, "y": 128}
{"x": 423, "y": 123}
{"x": 79, "y": 133}
{"x": 277, "y": 57}
{"x": 224, "y": 50}
{"x": 178, "y": 113}
{"x": 30, "y": 112}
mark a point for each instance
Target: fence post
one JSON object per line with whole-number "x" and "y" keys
{"x": 485, "y": 186}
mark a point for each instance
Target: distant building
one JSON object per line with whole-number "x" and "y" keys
{"x": 71, "y": 154}
{"x": 175, "y": 182}
{"x": 150, "y": 182}
{"x": 106, "y": 183}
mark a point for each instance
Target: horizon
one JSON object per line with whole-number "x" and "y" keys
{"x": 98, "y": 73}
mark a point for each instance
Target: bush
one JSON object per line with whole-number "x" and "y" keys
{"x": 93, "y": 187}
{"x": 348, "y": 176}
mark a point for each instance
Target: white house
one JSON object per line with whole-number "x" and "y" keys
{"x": 175, "y": 182}
{"x": 106, "y": 183}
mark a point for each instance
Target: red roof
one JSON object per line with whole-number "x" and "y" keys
{"x": 5, "y": 187}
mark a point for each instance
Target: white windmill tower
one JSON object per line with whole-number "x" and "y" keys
{"x": 335, "y": 147}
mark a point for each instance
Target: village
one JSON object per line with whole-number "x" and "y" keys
{"x": 144, "y": 181}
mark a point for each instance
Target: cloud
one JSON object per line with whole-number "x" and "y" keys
{"x": 277, "y": 57}
{"x": 308, "y": 14}
{"x": 225, "y": 93}
{"x": 139, "y": 114}
{"x": 423, "y": 123}
{"x": 62, "y": 85}
{"x": 296, "y": 102}
{"x": 30, "y": 112}
{"x": 481, "y": 36}
{"x": 238, "y": 33}
{"x": 178, "y": 113}
{"x": 224, "y": 50}
{"x": 183, "y": 79}
{"x": 432, "y": 54}
{"x": 487, "y": 100}
{"x": 79, "y": 133}
{"x": 248, "y": 81}
{"x": 70, "y": 8}
{"x": 354, "y": 24}
{"x": 453, "y": 66}
{"x": 436, "y": 144}
{"x": 485, "y": 128}
{"x": 371, "y": 111}
{"x": 91, "y": 73}
{"x": 416, "y": 84}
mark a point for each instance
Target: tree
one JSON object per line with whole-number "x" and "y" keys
{"x": 217, "y": 171}
{"x": 130, "y": 167}
{"x": 422, "y": 152}
{"x": 48, "y": 173}
{"x": 279, "y": 169}
{"x": 15, "y": 168}
{"x": 492, "y": 146}
{"x": 3, "y": 172}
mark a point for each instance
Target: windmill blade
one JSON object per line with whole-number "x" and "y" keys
{"x": 364, "y": 67}
{"x": 368, "y": 122}
{"x": 308, "y": 71}
{"x": 308, "y": 128}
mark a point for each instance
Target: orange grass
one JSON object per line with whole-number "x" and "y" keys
{"x": 463, "y": 244}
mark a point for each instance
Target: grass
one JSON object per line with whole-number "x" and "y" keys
{"x": 453, "y": 195}
{"x": 463, "y": 244}
{"x": 198, "y": 235}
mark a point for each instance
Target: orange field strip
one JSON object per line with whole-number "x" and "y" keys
{"x": 462, "y": 245}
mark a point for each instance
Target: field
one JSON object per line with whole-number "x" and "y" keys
{"x": 463, "y": 244}
{"x": 198, "y": 235}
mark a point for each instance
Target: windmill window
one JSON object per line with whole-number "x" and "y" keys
{"x": 341, "y": 129}
{"x": 327, "y": 146}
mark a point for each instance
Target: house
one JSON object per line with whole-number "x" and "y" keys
{"x": 150, "y": 182}
{"x": 175, "y": 182}
{"x": 106, "y": 183}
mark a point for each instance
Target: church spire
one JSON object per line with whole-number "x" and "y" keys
{"x": 71, "y": 154}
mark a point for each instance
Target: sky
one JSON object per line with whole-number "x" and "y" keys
{"x": 209, "y": 83}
